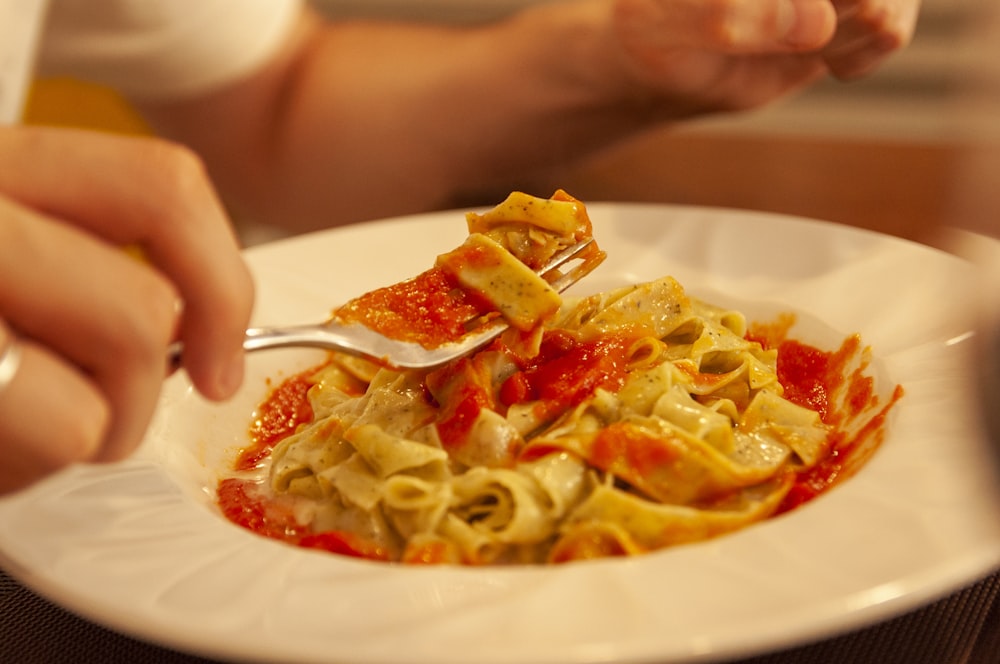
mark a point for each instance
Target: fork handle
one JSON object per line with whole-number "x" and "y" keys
{"x": 263, "y": 338}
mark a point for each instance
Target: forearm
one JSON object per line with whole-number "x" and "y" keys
{"x": 426, "y": 114}
{"x": 363, "y": 120}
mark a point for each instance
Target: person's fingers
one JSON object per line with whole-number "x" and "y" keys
{"x": 702, "y": 56}
{"x": 51, "y": 415}
{"x": 695, "y": 56}
{"x": 868, "y": 31}
{"x": 729, "y": 26}
{"x": 95, "y": 307}
{"x": 156, "y": 195}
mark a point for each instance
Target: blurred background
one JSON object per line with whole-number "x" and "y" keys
{"x": 912, "y": 98}
{"x": 905, "y": 151}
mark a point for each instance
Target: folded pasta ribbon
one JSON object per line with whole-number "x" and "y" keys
{"x": 493, "y": 273}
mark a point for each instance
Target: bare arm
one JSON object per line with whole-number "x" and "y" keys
{"x": 360, "y": 120}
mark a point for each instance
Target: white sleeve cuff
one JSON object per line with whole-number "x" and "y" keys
{"x": 166, "y": 48}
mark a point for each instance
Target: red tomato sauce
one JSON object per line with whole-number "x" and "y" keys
{"x": 805, "y": 374}
{"x": 567, "y": 371}
{"x": 810, "y": 377}
{"x": 631, "y": 452}
{"x": 564, "y": 374}
{"x": 437, "y": 552}
{"x": 587, "y": 546}
{"x": 279, "y": 416}
{"x": 247, "y": 504}
{"x": 847, "y": 455}
{"x": 244, "y": 503}
{"x": 460, "y": 414}
{"x": 429, "y": 309}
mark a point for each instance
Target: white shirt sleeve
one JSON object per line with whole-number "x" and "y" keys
{"x": 20, "y": 23}
{"x": 159, "y": 49}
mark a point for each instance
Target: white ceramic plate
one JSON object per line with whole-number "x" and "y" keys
{"x": 140, "y": 548}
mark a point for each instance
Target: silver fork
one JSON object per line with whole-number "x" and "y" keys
{"x": 356, "y": 339}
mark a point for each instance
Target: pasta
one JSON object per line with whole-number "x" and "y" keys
{"x": 494, "y": 273}
{"x": 614, "y": 424}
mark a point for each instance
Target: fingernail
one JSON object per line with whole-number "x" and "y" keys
{"x": 231, "y": 377}
{"x": 807, "y": 24}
